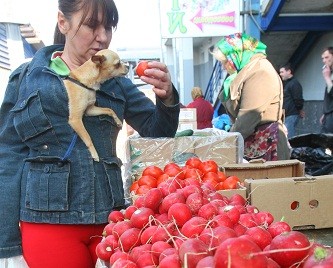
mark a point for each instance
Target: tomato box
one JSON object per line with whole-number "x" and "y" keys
{"x": 303, "y": 202}
{"x": 269, "y": 169}
{"x": 228, "y": 193}
{"x": 221, "y": 146}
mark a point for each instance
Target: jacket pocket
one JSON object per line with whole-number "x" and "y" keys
{"x": 112, "y": 168}
{"x": 47, "y": 184}
{"x": 29, "y": 117}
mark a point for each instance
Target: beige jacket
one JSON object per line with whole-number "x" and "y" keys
{"x": 256, "y": 97}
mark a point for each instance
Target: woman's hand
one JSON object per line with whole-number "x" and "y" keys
{"x": 159, "y": 77}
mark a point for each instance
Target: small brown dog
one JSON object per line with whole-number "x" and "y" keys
{"x": 81, "y": 86}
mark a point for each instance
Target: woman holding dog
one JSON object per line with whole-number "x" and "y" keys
{"x": 55, "y": 199}
{"x": 253, "y": 96}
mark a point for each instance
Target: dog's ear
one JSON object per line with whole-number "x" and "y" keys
{"x": 98, "y": 59}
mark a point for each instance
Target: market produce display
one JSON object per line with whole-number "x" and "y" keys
{"x": 182, "y": 219}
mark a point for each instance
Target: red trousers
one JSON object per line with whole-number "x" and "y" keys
{"x": 60, "y": 245}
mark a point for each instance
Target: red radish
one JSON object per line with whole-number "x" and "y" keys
{"x": 260, "y": 236}
{"x": 278, "y": 227}
{"x": 207, "y": 211}
{"x": 251, "y": 209}
{"x": 180, "y": 213}
{"x": 158, "y": 247}
{"x": 111, "y": 241}
{"x": 141, "y": 217}
{"x": 192, "y": 251}
{"x": 120, "y": 263}
{"x": 239, "y": 229}
{"x": 171, "y": 199}
{"x": 190, "y": 189}
{"x": 167, "y": 252}
{"x": 206, "y": 262}
{"x": 139, "y": 201}
{"x": 120, "y": 227}
{"x": 217, "y": 196}
{"x": 115, "y": 216}
{"x": 194, "y": 226}
{"x": 213, "y": 237}
{"x": 195, "y": 202}
{"x": 247, "y": 220}
{"x": 237, "y": 199}
{"x": 119, "y": 255}
{"x": 263, "y": 218}
{"x": 170, "y": 261}
{"x": 293, "y": 247}
{"x": 192, "y": 181}
{"x": 129, "y": 211}
{"x": 232, "y": 212}
{"x": 272, "y": 264}
{"x": 322, "y": 257}
{"x": 153, "y": 198}
{"x": 167, "y": 187}
{"x": 221, "y": 220}
{"x": 147, "y": 234}
{"x": 241, "y": 208}
{"x": 108, "y": 229}
{"x": 238, "y": 252}
{"x": 142, "y": 255}
{"x": 218, "y": 204}
{"x": 147, "y": 259}
{"x": 129, "y": 239}
{"x": 162, "y": 234}
{"x": 103, "y": 251}
{"x": 139, "y": 250}
{"x": 162, "y": 218}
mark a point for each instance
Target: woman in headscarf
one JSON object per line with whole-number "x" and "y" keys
{"x": 253, "y": 96}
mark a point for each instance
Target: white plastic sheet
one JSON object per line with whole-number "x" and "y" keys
{"x": 14, "y": 262}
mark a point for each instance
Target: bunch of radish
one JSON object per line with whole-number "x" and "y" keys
{"x": 194, "y": 226}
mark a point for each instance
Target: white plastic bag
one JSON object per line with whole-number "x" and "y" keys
{"x": 14, "y": 262}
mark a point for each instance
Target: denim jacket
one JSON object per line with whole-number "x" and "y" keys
{"x": 36, "y": 183}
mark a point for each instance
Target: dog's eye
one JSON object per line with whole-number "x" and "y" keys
{"x": 118, "y": 64}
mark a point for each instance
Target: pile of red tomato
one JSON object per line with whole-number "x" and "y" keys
{"x": 194, "y": 172}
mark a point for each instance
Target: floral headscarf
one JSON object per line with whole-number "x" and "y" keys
{"x": 238, "y": 49}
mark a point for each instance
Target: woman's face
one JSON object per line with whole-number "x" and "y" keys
{"x": 84, "y": 42}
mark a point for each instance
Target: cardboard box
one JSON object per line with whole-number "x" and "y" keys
{"x": 187, "y": 114}
{"x": 231, "y": 192}
{"x": 183, "y": 125}
{"x": 269, "y": 169}
{"x": 303, "y": 202}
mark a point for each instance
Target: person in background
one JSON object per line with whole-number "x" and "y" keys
{"x": 252, "y": 95}
{"x": 54, "y": 206}
{"x": 326, "y": 119}
{"x": 204, "y": 108}
{"x": 292, "y": 99}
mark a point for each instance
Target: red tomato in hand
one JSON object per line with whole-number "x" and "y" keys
{"x": 141, "y": 67}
